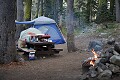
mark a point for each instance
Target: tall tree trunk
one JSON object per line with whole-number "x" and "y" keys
{"x": 7, "y": 31}
{"x": 61, "y": 6}
{"x": 47, "y": 5}
{"x": 48, "y": 8}
{"x": 56, "y": 8}
{"x": 27, "y": 14}
{"x": 88, "y": 10}
{"x": 60, "y": 22}
{"x": 70, "y": 27}
{"x": 117, "y": 2}
{"x": 20, "y": 15}
{"x": 112, "y": 3}
{"x": 37, "y": 11}
{"x": 41, "y": 7}
{"x": 60, "y": 14}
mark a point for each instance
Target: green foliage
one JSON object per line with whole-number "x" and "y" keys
{"x": 105, "y": 14}
{"x": 102, "y": 14}
{"x": 109, "y": 27}
{"x": 95, "y": 10}
{"x": 64, "y": 30}
{"x": 27, "y": 14}
{"x": 86, "y": 9}
{"x": 112, "y": 25}
{"x": 111, "y": 31}
{"x": 77, "y": 31}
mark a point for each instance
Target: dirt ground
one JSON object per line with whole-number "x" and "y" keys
{"x": 62, "y": 66}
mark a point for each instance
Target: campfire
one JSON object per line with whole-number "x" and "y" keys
{"x": 92, "y": 62}
{"x": 102, "y": 66}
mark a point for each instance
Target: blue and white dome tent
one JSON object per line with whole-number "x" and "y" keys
{"x": 47, "y": 26}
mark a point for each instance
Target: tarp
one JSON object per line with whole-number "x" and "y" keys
{"x": 25, "y": 35}
{"x": 48, "y": 26}
{"x": 25, "y": 22}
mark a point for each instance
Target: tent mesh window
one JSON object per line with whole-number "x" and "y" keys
{"x": 51, "y": 31}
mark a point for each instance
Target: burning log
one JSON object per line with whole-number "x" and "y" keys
{"x": 87, "y": 62}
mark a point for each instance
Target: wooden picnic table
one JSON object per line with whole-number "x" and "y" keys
{"x": 44, "y": 47}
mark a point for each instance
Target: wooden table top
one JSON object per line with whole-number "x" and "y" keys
{"x": 40, "y": 43}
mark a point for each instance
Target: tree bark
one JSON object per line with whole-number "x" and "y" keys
{"x": 56, "y": 10}
{"x": 27, "y": 14}
{"x": 60, "y": 14}
{"x": 112, "y": 3}
{"x": 60, "y": 22}
{"x": 41, "y": 8}
{"x": 37, "y": 11}
{"x": 20, "y": 15}
{"x": 61, "y": 6}
{"x": 88, "y": 10}
{"x": 7, "y": 31}
{"x": 117, "y": 2}
{"x": 48, "y": 4}
{"x": 70, "y": 27}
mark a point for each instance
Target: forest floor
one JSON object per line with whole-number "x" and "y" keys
{"x": 62, "y": 66}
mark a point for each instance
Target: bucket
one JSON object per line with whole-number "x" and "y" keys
{"x": 32, "y": 56}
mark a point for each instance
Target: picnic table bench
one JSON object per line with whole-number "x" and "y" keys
{"x": 26, "y": 50}
{"x": 44, "y": 48}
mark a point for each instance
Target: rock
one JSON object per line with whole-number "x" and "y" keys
{"x": 104, "y": 40}
{"x": 114, "y": 68}
{"x": 92, "y": 72}
{"x": 99, "y": 70}
{"x": 107, "y": 54}
{"x": 97, "y": 61}
{"x": 115, "y": 53}
{"x": 85, "y": 69}
{"x": 84, "y": 77}
{"x": 99, "y": 52}
{"x": 102, "y": 34}
{"x": 109, "y": 50}
{"x": 105, "y": 75}
{"x": 96, "y": 45}
{"x": 101, "y": 60}
{"x": 104, "y": 60}
{"x": 115, "y": 60}
{"x": 102, "y": 66}
{"x": 92, "y": 68}
{"x": 107, "y": 65}
{"x": 92, "y": 78}
{"x": 97, "y": 48}
{"x": 117, "y": 47}
{"x": 111, "y": 41}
